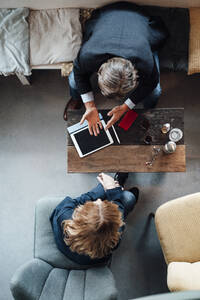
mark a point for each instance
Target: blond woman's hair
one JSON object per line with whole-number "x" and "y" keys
{"x": 94, "y": 229}
{"x": 117, "y": 77}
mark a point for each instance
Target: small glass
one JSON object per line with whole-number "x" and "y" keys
{"x": 165, "y": 128}
{"x": 148, "y": 139}
{"x": 145, "y": 124}
{"x": 169, "y": 147}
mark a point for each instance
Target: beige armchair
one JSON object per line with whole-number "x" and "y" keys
{"x": 178, "y": 228}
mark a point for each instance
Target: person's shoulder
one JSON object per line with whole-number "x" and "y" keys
{"x": 66, "y": 203}
{"x": 63, "y": 211}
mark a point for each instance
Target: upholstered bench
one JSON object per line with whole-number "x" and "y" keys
{"x": 54, "y": 36}
{"x": 188, "y": 295}
{"x": 50, "y": 275}
{"x": 173, "y": 57}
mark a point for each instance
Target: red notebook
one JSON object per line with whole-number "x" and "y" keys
{"x": 128, "y": 119}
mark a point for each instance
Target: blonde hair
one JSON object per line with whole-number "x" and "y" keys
{"x": 94, "y": 229}
{"x": 117, "y": 77}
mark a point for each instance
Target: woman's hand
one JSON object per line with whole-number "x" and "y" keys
{"x": 107, "y": 181}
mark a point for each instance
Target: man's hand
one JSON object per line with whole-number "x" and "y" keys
{"x": 116, "y": 114}
{"x": 92, "y": 116}
{"x": 107, "y": 181}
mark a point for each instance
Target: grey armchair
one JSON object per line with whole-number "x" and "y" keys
{"x": 187, "y": 295}
{"x": 50, "y": 275}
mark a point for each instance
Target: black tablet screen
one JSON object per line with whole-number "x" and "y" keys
{"x": 88, "y": 143}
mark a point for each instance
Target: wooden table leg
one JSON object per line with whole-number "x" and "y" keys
{"x": 24, "y": 80}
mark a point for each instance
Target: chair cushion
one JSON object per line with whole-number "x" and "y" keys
{"x": 194, "y": 41}
{"x": 29, "y": 279}
{"x": 38, "y": 280}
{"x": 91, "y": 284}
{"x": 186, "y": 295}
{"x": 55, "y": 35}
{"x": 183, "y": 276}
{"x": 178, "y": 227}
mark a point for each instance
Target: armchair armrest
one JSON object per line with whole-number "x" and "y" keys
{"x": 29, "y": 279}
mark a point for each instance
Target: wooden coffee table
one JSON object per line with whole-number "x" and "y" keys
{"x": 131, "y": 155}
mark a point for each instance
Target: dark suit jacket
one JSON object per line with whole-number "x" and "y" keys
{"x": 121, "y": 29}
{"x": 65, "y": 210}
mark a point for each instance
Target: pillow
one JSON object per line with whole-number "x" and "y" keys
{"x": 14, "y": 41}
{"x": 55, "y": 35}
{"x": 194, "y": 41}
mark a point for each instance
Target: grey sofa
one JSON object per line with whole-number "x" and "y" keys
{"x": 186, "y": 295}
{"x": 50, "y": 275}
{"x": 174, "y": 54}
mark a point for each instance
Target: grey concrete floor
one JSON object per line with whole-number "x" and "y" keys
{"x": 33, "y": 165}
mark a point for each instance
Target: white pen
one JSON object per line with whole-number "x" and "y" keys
{"x": 116, "y": 134}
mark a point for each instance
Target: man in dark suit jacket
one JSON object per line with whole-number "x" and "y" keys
{"x": 120, "y": 43}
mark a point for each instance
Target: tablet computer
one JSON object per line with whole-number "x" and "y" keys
{"x": 86, "y": 144}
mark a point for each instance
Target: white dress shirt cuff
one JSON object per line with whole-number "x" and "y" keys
{"x": 129, "y": 103}
{"x": 87, "y": 97}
